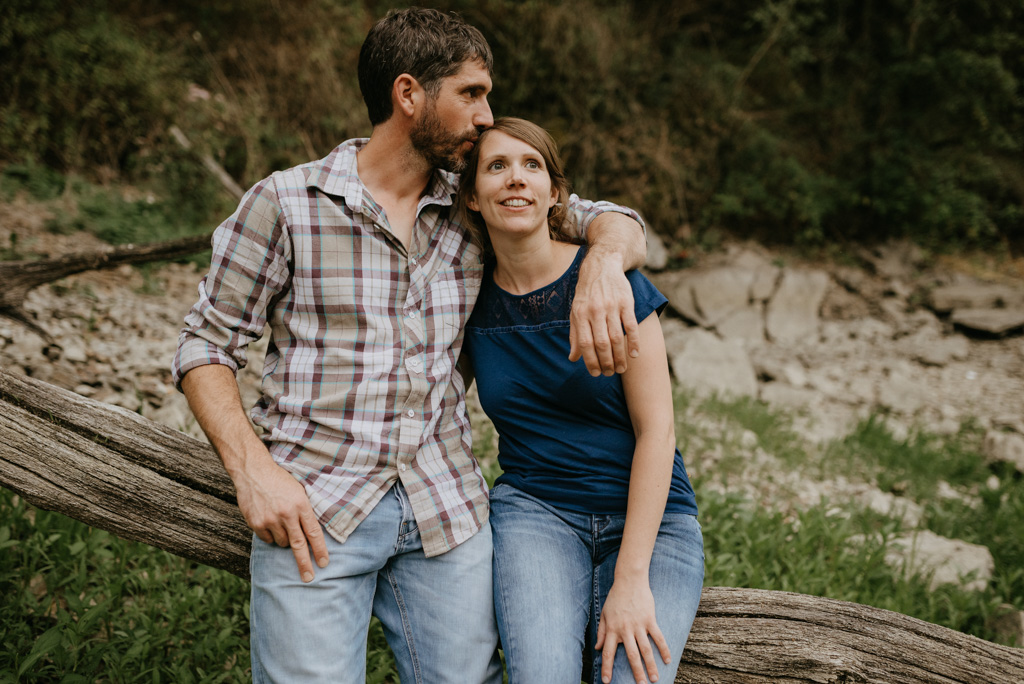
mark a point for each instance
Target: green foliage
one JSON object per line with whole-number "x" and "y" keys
{"x": 81, "y": 605}
{"x": 84, "y": 87}
{"x": 40, "y": 182}
{"x": 774, "y": 428}
{"x": 914, "y": 465}
{"x": 791, "y": 120}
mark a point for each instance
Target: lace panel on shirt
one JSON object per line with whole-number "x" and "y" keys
{"x": 499, "y": 309}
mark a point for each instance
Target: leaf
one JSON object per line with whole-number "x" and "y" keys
{"x": 47, "y": 641}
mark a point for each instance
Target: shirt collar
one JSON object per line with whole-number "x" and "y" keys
{"x": 338, "y": 174}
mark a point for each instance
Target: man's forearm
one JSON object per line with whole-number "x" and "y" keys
{"x": 613, "y": 235}
{"x": 212, "y": 394}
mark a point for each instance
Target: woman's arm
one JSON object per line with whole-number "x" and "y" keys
{"x": 628, "y": 614}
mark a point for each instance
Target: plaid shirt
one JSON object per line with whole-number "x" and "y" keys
{"x": 360, "y": 387}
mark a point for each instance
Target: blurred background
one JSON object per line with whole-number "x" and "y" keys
{"x": 798, "y": 122}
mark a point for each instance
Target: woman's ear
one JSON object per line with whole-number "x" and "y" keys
{"x": 406, "y": 94}
{"x": 472, "y": 203}
{"x": 553, "y": 200}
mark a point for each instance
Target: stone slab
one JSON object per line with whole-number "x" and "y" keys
{"x": 793, "y": 310}
{"x": 709, "y": 365}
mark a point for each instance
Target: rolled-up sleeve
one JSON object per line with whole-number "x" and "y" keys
{"x": 584, "y": 211}
{"x": 248, "y": 270}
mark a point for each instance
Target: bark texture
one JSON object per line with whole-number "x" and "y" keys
{"x": 140, "y": 480}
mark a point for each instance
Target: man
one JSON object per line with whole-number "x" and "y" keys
{"x": 356, "y": 264}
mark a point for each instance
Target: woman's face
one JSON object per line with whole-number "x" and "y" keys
{"x": 513, "y": 190}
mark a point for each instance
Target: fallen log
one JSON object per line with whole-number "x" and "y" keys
{"x": 118, "y": 471}
{"x": 140, "y": 480}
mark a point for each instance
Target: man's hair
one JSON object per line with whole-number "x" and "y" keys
{"x": 427, "y": 44}
{"x": 560, "y": 223}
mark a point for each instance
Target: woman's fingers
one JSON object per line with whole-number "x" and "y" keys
{"x": 659, "y": 641}
{"x": 638, "y": 650}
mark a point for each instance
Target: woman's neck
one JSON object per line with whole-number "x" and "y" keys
{"x": 528, "y": 265}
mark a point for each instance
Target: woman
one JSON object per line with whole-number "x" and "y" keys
{"x": 596, "y": 543}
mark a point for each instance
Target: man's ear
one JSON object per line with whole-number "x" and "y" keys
{"x": 406, "y": 94}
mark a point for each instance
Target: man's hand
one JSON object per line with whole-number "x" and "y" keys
{"x": 602, "y": 324}
{"x": 272, "y": 502}
{"x": 627, "y": 617}
{"x": 277, "y": 509}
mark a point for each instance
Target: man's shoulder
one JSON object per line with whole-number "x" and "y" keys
{"x": 330, "y": 174}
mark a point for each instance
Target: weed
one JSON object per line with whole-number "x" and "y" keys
{"x": 916, "y": 464}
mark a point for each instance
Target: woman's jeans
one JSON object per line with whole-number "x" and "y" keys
{"x": 553, "y": 570}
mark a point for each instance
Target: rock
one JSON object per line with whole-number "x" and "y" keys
{"x": 1008, "y": 624}
{"x": 990, "y": 321}
{"x": 657, "y": 254}
{"x": 74, "y": 349}
{"x": 721, "y": 292}
{"x": 902, "y": 391}
{"x": 854, "y": 280}
{"x": 930, "y": 348}
{"x": 948, "y": 561}
{"x": 894, "y": 259}
{"x": 788, "y": 396}
{"x": 861, "y": 390}
{"x": 974, "y": 295}
{"x": 745, "y": 324}
{"x": 793, "y": 310}
{"x": 710, "y": 365}
{"x": 887, "y": 503}
{"x": 675, "y": 332}
{"x": 1004, "y": 447}
{"x": 676, "y": 286}
{"x": 766, "y": 274}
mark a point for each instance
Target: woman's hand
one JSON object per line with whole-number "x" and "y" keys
{"x": 628, "y": 618}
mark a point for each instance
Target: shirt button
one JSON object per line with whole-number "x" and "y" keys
{"x": 410, "y": 413}
{"x": 414, "y": 365}
{"x": 401, "y": 466}
{"x": 411, "y": 314}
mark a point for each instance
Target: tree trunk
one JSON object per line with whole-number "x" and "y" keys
{"x": 140, "y": 480}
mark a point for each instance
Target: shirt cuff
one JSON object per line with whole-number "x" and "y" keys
{"x": 194, "y": 351}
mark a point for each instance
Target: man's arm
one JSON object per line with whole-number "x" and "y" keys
{"x": 602, "y": 325}
{"x": 248, "y": 269}
{"x": 273, "y": 503}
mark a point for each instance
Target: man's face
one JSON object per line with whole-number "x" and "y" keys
{"x": 450, "y": 124}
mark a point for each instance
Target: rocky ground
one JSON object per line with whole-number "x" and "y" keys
{"x": 887, "y": 332}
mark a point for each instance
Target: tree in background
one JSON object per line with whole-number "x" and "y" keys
{"x": 807, "y": 121}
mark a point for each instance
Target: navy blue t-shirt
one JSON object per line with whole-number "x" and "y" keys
{"x": 564, "y": 436}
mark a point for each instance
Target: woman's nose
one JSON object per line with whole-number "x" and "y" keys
{"x": 515, "y": 176}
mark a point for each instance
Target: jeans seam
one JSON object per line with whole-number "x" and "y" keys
{"x": 406, "y": 626}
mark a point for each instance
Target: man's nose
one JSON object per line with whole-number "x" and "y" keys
{"x": 482, "y": 117}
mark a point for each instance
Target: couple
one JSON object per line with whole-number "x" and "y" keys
{"x": 366, "y": 277}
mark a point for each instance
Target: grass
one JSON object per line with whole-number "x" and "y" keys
{"x": 115, "y": 214}
{"x": 81, "y": 605}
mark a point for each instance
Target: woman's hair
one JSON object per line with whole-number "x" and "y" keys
{"x": 560, "y": 222}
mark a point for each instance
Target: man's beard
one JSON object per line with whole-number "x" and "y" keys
{"x": 441, "y": 148}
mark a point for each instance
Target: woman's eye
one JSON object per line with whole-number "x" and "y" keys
{"x": 496, "y": 166}
{"x": 532, "y": 164}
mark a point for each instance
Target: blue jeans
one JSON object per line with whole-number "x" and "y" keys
{"x": 553, "y": 570}
{"x": 437, "y": 613}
